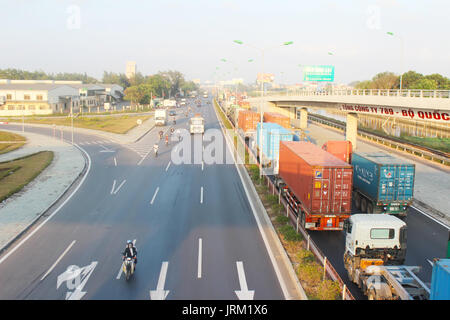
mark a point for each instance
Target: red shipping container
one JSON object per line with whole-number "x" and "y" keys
{"x": 247, "y": 120}
{"x": 340, "y": 149}
{"x": 319, "y": 185}
{"x": 274, "y": 117}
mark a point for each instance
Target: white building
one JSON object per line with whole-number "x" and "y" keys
{"x": 131, "y": 69}
{"x": 32, "y": 98}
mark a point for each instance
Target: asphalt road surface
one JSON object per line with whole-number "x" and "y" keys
{"x": 192, "y": 224}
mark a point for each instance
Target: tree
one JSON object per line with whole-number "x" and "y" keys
{"x": 409, "y": 79}
{"x": 425, "y": 84}
{"x": 158, "y": 84}
{"x": 442, "y": 82}
{"x": 384, "y": 80}
{"x": 176, "y": 80}
{"x": 366, "y": 84}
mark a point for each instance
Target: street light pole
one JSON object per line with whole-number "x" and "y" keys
{"x": 402, "y": 53}
{"x": 262, "y": 98}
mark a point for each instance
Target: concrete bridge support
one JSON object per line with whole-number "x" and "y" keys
{"x": 303, "y": 118}
{"x": 351, "y": 132}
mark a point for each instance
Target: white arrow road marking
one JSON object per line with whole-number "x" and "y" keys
{"x": 160, "y": 293}
{"x": 244, "y": 293}
{"x": 114, "y": 191}
{"x": 154, "y": 196}
{"x": 168, "y": 165}
{"x": 199, "y": 270}
{"x": 76, "y": 279}
{"x": 201, "y": 195}
{"x": 56, "y": 262}
{"x": 121, "y": 269}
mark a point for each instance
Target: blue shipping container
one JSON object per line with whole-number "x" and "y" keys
{"x": 382, "y": 177}
{"x": 272, "y": 134}
{"x": 440, "y": 280}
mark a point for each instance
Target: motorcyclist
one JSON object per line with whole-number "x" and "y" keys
{"x": 155, "y": 149}
{"x": 167, "y": 139}
{"x": 161, "y": 134}
{"x": 130, "y": 252}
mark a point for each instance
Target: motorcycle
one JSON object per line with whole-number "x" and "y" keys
{"x": 128, "y": 268}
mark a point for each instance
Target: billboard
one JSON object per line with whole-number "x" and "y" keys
{"x": 266, "y": 77}
{"x": 318, "y": 73}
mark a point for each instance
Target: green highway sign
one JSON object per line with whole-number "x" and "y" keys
{"x": 318, "y": 73}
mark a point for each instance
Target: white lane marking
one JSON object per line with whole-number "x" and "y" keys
{"x": 202, "y": 165}
{"x": 168, "y": 165}
{"x": 201, "y": 195}
{"x": 56, "y": 211}
{"x": 154, "y": 196}
{"x": 199, "y": 269}
{"x": 121, "y": 269}
{"x": 115, "y": 162}
{"x": 244, "y": 293}
{"x": 142, "y": 159}
{"x": 56, "y": 262}
{"x": 120, "y": 186}
{"x": 427, "y": 215}
{"x": 88, "y": 143}
{"x": 113, "y": 186}
{"x": 160, "y": 293}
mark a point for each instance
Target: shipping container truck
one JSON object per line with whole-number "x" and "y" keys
{"x": 316, "y": 185}
{"x": 274, "y": 117}
{"x": 382, "y": 183}
{"x": 341, "y": 149}
{"x": 272, "y": 134}
{"x": 440, "y": 280}
{"x": 375, "y": 252}
{"x": 247, "y": 121}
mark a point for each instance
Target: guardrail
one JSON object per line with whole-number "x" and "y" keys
{"x": 294, "y": 220}
{"x": 419, "y": 151}
{"x": 438, "y": 94}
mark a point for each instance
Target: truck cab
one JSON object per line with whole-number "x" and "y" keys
{"x": 375, "y": 237}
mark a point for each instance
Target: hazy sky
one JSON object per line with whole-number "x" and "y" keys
{"x": 192, "y": 36}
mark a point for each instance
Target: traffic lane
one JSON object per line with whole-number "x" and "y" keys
{"x": 427, "y": 240}
{"x": 83, "y": 210}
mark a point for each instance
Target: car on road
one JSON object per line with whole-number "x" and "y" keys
{"x": 172, "y": 113}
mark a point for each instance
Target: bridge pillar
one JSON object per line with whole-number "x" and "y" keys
{"x": 303, "y": 118}
{"x": 351, "y": 131}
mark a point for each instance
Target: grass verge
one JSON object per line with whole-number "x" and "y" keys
{"x": 16, "y": 141}
{"x": 116, "y": 124}
{"x": 16, "y": 174}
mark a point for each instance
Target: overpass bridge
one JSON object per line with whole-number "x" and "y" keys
{"x": 427, "y": 105}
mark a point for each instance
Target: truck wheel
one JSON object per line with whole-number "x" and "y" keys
{"x": 364, "y": 205}
{"x": 357, "y": 200}
{"x": 302, "y": 219}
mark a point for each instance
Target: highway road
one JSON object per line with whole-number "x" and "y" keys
{"x": 192, "y": 224}
{"x": 427, "y": 239}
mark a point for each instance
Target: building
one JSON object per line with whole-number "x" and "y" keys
{"x": 41, "y": 97}
{"x": 131, "y": 70}
{"x": 19, "y": 98}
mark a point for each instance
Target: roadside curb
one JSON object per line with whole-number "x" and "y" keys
{"x": 267, "y": 229}
{"x": 45, "y": 211}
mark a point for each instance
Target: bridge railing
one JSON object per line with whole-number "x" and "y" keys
{"x": 438, "y": 94}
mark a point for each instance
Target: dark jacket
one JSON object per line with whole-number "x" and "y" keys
{"x": 130, "y": 252}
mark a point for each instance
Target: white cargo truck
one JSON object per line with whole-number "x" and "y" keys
{"x": 197, "y": 124}
{"x": 169, "y": 103}
{"x": 160, "y": 117}
{"x": 375, "y": 250}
